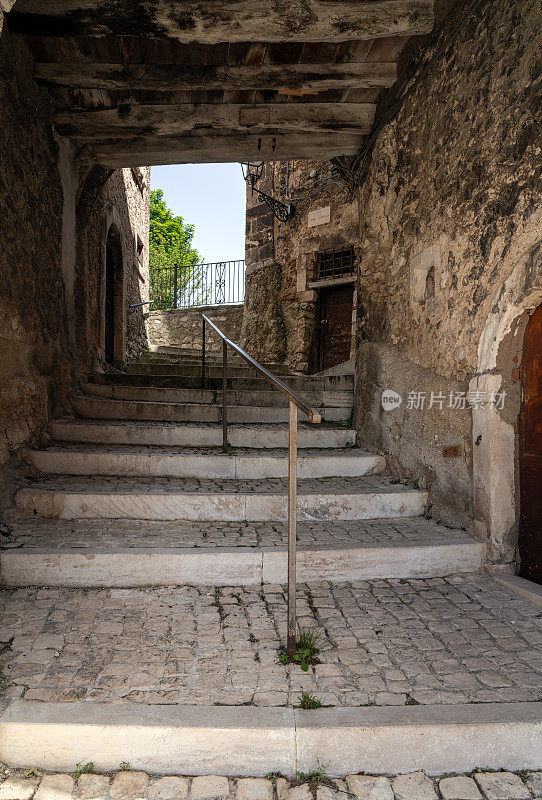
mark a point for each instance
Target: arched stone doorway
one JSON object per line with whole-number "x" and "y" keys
{"x": 530, "y": 524}
{"x": 113, "y": 338}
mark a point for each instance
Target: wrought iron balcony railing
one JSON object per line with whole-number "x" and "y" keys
{"x": 189, "y": 286}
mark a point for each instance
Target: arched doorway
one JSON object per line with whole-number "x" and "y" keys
{"x": 113, "y": 294}
{"x": 530, "y": 532}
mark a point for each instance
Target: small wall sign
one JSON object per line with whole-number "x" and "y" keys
{"x": 320, "y": 216}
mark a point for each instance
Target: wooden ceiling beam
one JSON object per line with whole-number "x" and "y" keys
{"x": 169, "y": 120}
{"x": 206, "y": 21}
{"x": 209, "y": 148}
{"x": 170, "y": 77}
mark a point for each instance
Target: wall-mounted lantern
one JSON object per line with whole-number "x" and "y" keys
{"x": 252, "y": 172}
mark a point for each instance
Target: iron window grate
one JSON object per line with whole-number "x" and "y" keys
{"x": 335, "y": 263}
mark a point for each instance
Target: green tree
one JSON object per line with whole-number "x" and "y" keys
{"x": 170, "y": 245}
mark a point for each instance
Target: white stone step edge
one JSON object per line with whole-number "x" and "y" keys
{"x": 252, "y": 507}
{"x": 193, "y": 435}
{"x": 234, "y": 566}
{"x": 219, "y": 465}
{"x": 103, "y": 408}
{"x": 254, "y": 397}
{"x": 202, "y": 740}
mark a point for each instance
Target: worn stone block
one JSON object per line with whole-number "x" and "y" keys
{"x": 91, "y": 785}
{"x": 170, "y": 787}
{"x": 18, "y": 788}
{"x": 207, "y": 786}
{"x": 502, "y": 786}
{"x": 128, "y": 785}
{"x": 459, "y": 787}
{"x": 254, "y": 789}
{"x": 416, "y": 786}
{"x": 369, "y": 787}
{"x": 55, "y": 787}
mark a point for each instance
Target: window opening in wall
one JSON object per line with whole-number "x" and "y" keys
{"x": 140, "y": 261}
{"x": 336, "y": 263}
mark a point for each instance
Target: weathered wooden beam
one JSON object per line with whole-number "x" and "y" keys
{"x": 217, "y": 148}
{"x": 125, "y": 121}
{"x": 228, "y": 21}
{"x": 168, "y": 77}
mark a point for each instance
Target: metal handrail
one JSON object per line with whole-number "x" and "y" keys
{"x": 295, "y": 402}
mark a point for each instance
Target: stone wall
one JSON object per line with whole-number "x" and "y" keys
{"x": 53, "y": 218}
{"x": 121, "y": 200}
{"x": 280, "y": 305}
{"x": 447, "y": 223}
{"x": 34, "y": 366}
{"x": 450, "y": 209}
{"x": 182, "y": 327}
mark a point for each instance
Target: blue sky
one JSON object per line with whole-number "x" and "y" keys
{"x": 211, "y": 197}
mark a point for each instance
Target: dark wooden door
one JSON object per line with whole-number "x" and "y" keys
{"x": 110, "y": 304}
{"x": 335, "y": 325}
{"x": 530, "y": 534}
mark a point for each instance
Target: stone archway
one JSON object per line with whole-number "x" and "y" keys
{"x": 496, "y": 431}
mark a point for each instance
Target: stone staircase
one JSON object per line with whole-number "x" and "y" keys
{"x": 134, "y": 516}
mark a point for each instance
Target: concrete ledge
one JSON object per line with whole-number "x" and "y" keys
{"x": 252, "y": 507}
{"x": 199, "y": 740}
{"x": 436, "y": 738}
{"x": 227, "y": 566}
{"x": 190, "y": 739}
{"x": 527, "y": 589}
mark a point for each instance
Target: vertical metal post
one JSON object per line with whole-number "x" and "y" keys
{"x": 292, "y": 541}
{"x": 175, "y": 286}
{"x": 203, "y": 354}
{"x": 224, "y": 396}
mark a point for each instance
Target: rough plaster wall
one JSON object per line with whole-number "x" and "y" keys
{"x": 122, "y": 203}
{"x": 453, "y": 183}
{"x": 183, "y": 327}
{"x": 34, "y": 372}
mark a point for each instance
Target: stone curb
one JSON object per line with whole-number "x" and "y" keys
{"x": 254, "y": 741}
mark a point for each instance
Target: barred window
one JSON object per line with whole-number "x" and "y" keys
{"x": 335, "y": 263}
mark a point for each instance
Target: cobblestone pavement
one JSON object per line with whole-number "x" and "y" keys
{"x": 136, "y": 486}
{"x": 383, "y": 642}
{"x": 21, "y": 531}
{"x": 169, "y": 450}
{"x": 131, "y": 785}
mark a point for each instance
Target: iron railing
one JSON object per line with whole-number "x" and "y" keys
{"x": 192, "y": 285}
{"x": 295, "y": 403}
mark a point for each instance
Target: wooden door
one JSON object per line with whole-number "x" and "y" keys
{"x": 335, "y": 325}
{"x": 110, "y": 304}
{"x": 530, "y": 534}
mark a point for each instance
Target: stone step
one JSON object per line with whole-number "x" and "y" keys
{"x": 194, "y": 370}
{"x": 198, "y": 434}
{"x": 103, "y": 408}
{"x": 170, "y": 462}
{"x": 252, "y": 741}
{"x": 152, "y": 394}
{"x": 196, "y": 499}
{"x": 299, "y": 383}
{"x": 122, "y": 553}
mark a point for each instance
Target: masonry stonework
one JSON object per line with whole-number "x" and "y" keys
{"x": 446, "y": 223}
{"x": 182, "y": 327}
{"x": 450, "y": 209}
{"x": 53, "y": 216}
{"x": 34, "y": 368}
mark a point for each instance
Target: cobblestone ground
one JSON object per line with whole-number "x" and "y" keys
{"x": 383, "y": 642}
{"x": 136, "y": 486}
{"x": 58, "y": 533}
{"x": 130, "y": 785}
